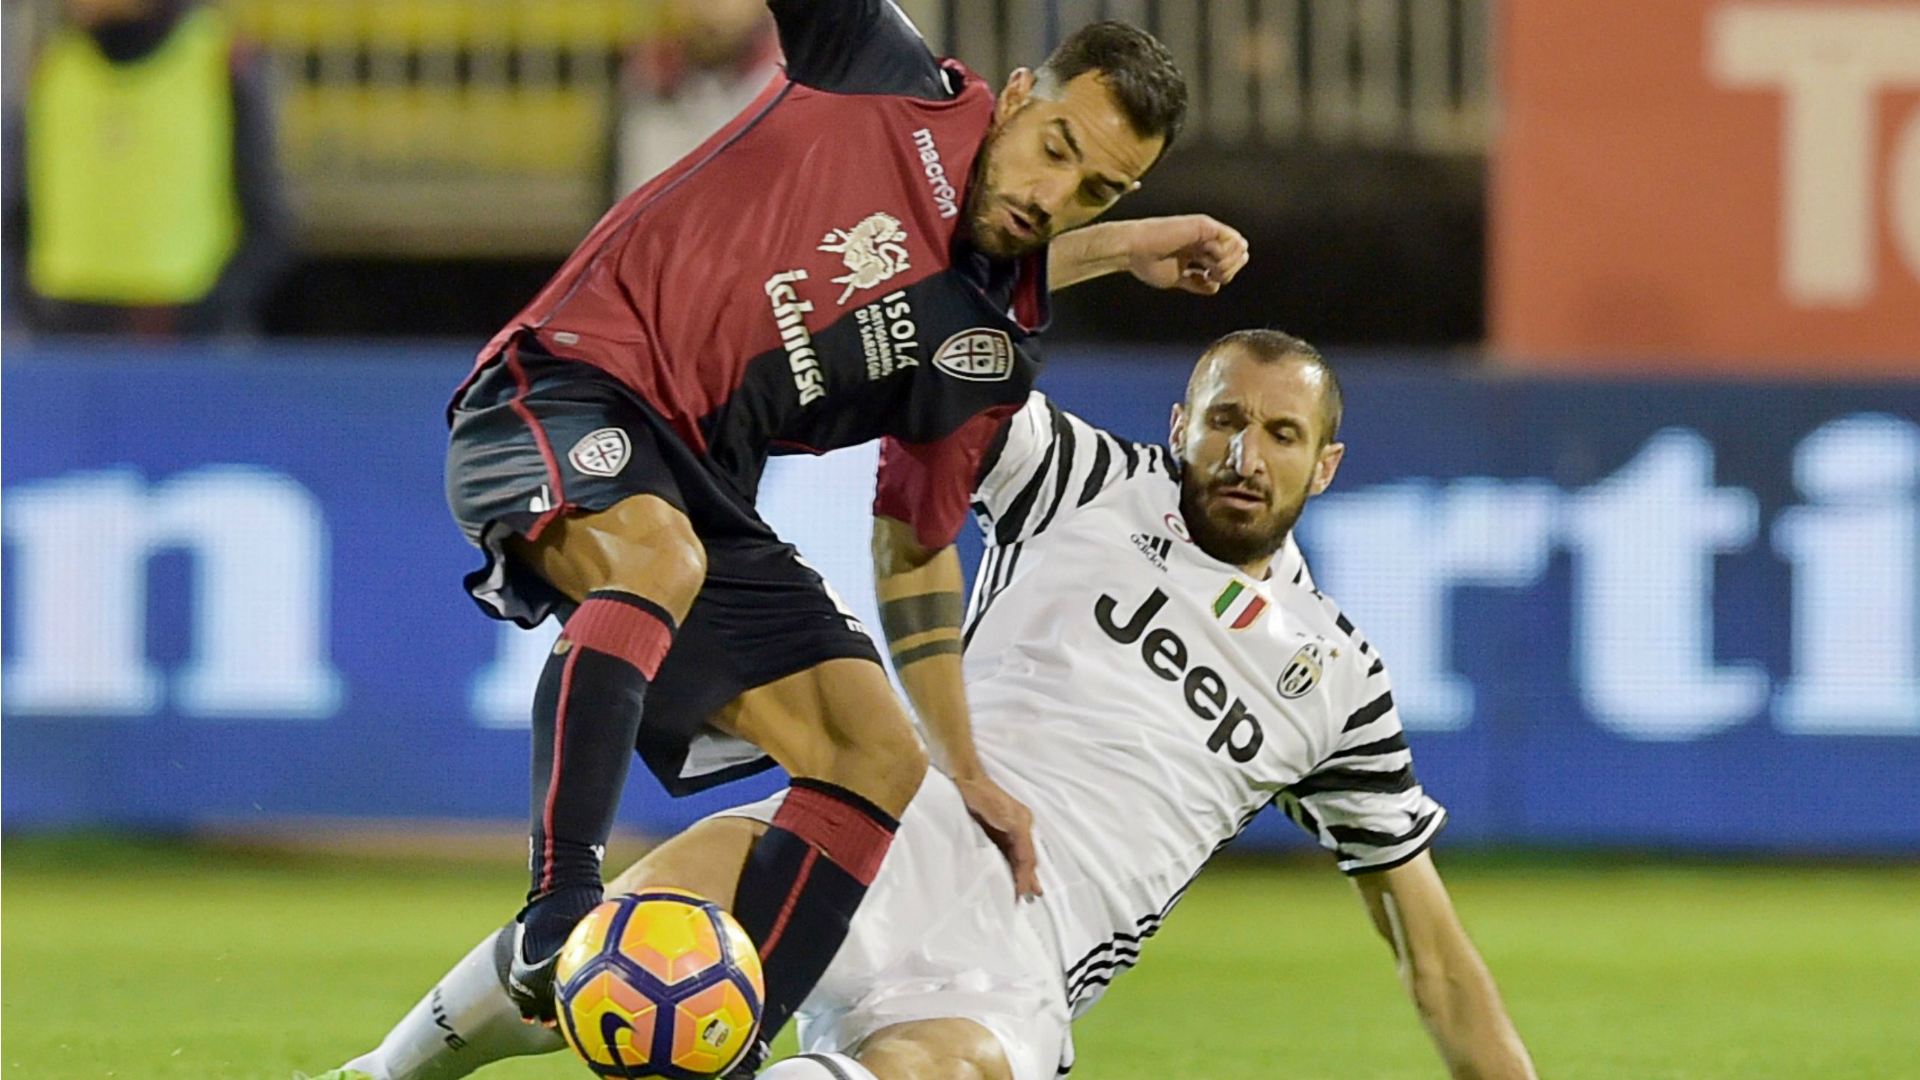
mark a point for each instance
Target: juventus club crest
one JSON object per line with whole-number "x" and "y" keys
{"x": 874, "y": 250}
{"x": 981, "y": 355}
{"x": 601, "y": 453}
{"x": 1302, "y": 672}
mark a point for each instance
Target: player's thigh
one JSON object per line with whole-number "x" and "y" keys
{"x": 839, "y": 721}
{"x": 570, "y": 482}
{"x": 642, "y": 545}
{"x": 949, "y": 1049}
{"x": 705, "y": 859}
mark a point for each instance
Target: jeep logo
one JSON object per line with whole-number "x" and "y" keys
{"x": 1165, "y": 654}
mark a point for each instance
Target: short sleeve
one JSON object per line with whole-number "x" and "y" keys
{"x": 857, "y": 47}
{"x": 1363, "y": 803}
{"x": 1048, "y": 462}
{"x": 927, "y": 485}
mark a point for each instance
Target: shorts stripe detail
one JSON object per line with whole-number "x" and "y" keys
{"x": 519, "y": 406}
{"x": 793, "y": 899}
{"x": 553, "y": 778}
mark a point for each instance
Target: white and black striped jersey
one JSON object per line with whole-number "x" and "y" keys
{"x": 1147, "y": 700}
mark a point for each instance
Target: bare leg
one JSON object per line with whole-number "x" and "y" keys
{"x": 706, "y": 859}
{"x": 839, "y": 721}
{"x": 952, "y": 1049}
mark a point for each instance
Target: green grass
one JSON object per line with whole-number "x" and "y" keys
{"x": 167, "y": 963}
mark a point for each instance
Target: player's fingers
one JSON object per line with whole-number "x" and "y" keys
{"x": 1209, "y": 252}
{"x": 1231, "y": 268}
{"x": 1024, "y": 858}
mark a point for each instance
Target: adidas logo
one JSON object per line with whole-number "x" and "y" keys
{"x": 1155, "y": 548}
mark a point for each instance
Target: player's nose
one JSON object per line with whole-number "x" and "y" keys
{"x": 1237, "y": 455}
{"x": 1052, "y": 197}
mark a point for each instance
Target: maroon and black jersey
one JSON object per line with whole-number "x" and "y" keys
{"x": 801, "y": 282}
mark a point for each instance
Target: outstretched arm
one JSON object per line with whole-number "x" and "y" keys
{"x": 1443, "y": 973}
{"x": 920, "y": 610}
{"x": 1192, "y": 252}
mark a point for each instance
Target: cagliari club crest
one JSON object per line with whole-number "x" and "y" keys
{"x": 601, "y": 453}
{"x": 1302, "y": 673}
{"x": 981, "y": 355}
{"x": 874, "y": 250}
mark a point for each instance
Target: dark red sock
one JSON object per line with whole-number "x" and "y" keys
{"x": 586, "y": 715}
{"x": 803, "y": 881}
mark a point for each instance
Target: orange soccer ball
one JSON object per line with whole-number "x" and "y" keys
{"x": 659, "y": 983}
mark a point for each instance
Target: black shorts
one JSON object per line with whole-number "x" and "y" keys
{"x": 533, "y": 438}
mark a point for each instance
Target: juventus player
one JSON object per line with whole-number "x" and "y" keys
{"x": 1148, "y": 667}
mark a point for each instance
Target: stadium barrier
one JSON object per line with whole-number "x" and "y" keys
{"x": 1673, "y": 614}
{"x": 481, "y": 127}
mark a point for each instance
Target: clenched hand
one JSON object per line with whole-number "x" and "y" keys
{"x": 1194, "y": 252}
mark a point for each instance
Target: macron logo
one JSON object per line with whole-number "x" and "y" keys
{"x": 944, "y": 196}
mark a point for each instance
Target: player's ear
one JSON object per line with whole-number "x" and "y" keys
{"x": 1177, "y": 429}
{"x": 1326, "y": 466}
{"x": 1015, "y": 95}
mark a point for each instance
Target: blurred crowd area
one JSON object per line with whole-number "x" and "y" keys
{"x": 418, "y": 167}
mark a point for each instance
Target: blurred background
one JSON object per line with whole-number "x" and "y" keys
{"x": 1626, "y": 296}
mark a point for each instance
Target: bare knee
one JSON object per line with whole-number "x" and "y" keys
{"x": 705, "y": 859}
{"x": 884, "y": 764}
{"x": 952, "y": 1049}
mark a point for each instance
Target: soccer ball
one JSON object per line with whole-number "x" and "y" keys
{"x": 660, "y": 983}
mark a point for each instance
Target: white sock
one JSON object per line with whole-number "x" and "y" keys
{"x": 817, "y": 1067}
{"x": 466, "y": 1021}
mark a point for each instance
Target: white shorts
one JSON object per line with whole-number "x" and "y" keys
{"x": 942, "y": 935}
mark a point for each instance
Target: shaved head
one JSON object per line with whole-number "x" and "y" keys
{"x": 1272, "y": 347}
{"x": 1256, "y": 438}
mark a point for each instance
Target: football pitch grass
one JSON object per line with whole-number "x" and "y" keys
{"x": 164, "y": 962}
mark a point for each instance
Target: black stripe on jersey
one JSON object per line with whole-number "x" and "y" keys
{"x": 983, "y": 589}
{"x": 1102, "y": 458}
{"x": 1345, "y": 624}
{"x": 1124, "y": 949}
{"x": 1389, "y": 745}
{"x": 997, "y": 572}
{"x": 1007, "y": 529}
{"x": 991, "y": 459}
{"x": 1291, "y": 806}
{"x": 1371, "y": 711}
{"x": 1063, "y": 438}
{"x": 1132, "y": 454}
{"x": 1407, "y": 856}
{"x": 1354, "y": 834}
{"x": 1385, "y": 782}
{"x": 1300, "y": 573}
{"x": 1379, "y": 666}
